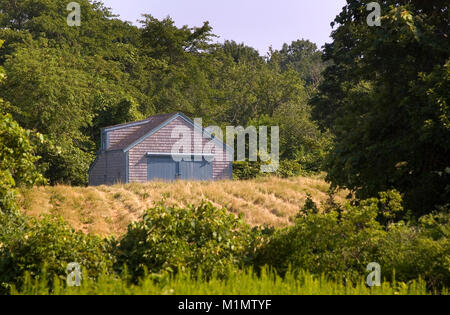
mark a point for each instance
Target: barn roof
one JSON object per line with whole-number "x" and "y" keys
{"x": 147, "y": 127}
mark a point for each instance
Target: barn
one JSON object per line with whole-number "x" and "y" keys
{"x": 142, "y": 151}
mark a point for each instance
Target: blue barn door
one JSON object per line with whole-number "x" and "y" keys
{"x": 196, "y": 170}
{"x": 165, "y": 168}
{"x": 161, "y": 167}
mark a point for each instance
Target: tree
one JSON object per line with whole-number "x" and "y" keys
{"x": 58, "y": 87}
{"x": 59, "y": 71}
{"x": 110, "y": 112}
{"x": 17, "y": 158}
{"x": 241, "y": 52}
{"x": 386, "y": 99}
{"x": 303, "y": 57}
{"x": 163, "y": 40}
{"x": 100, "y": 33}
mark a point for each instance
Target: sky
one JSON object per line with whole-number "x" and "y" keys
{"x": 257, "y": 23}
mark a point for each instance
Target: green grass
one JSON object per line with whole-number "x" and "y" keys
{"x": 237, "y": 283}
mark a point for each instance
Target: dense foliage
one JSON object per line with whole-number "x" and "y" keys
{"x": 373, "y": 113}
{"x": 195, "y": 238}
{"x": 338, "y": 241}
{"x": 342, "y": 241}
{"x": 385, "y": 97}
{"x": 29, "y": 245}
{"x": 248, "y": 170}
{"x": 17, "y": 156}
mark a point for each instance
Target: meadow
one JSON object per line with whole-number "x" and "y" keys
{"x": 108, "y": 210}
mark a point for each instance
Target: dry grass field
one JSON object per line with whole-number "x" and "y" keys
{"x": 107, "y": 210}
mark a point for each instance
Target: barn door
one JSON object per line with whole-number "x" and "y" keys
{"x": 196, "y": 170}
{"x": 164, "y": 168}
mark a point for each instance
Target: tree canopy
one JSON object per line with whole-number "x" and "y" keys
{"x": 385, "y": 97}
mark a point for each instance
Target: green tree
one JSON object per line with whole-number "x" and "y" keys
{"x": 17, "y": 157}
{"x": 241, "y": 52}
{"x": 58, "y": 88}
{"x": 60, "y": 70}
{"x": 303, "y": 57}
{"x": 100, "y": 32}
{"x": 161, "y": 39}
{"x": 386, "y": 99}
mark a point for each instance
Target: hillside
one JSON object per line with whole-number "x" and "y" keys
{"x": 107, "y": 210}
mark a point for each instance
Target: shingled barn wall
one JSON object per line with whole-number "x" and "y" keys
{"x": 109, "y": 169}
{"x": 162, "y": 142}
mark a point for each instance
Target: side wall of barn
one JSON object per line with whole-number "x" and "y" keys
{"x": 109, "y": 168}
{"x": 162, "y": 142}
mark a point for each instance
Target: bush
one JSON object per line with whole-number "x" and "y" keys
{"x": 244, "y": 170}
{"x": 342, "y": 242}
{"x": 169, "y": 238}
{"x": 419, "y": 250}
{"x": 289, "y": 168}
{"x": 332, "y": 243}
{"x": 29, "y": 245}
{"x": 17, "y": 160}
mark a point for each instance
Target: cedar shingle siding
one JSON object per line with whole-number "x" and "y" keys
{"x": 124, "y": 154}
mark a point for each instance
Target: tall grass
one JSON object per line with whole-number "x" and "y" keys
{"x": 107, "y": 210}
{"x": 236, "y": 283}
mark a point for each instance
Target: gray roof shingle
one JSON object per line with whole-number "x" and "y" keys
{"x": 153, "y": 122}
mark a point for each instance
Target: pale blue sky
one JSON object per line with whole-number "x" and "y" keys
{"x": 257, "y": 23}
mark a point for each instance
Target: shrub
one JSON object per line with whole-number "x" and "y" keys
{"x": 332, "y": 243}
{"x": 419, "y": 250}
{"x": 309, "y": 207}
{"x": 29, "y": 245}
{"x": 342, "y": 242}
{"x": 168, "y": 238}
{"x": 244, "y": 170}
{"x": 289, "y": 168}
{"x": 17, "y": 160}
